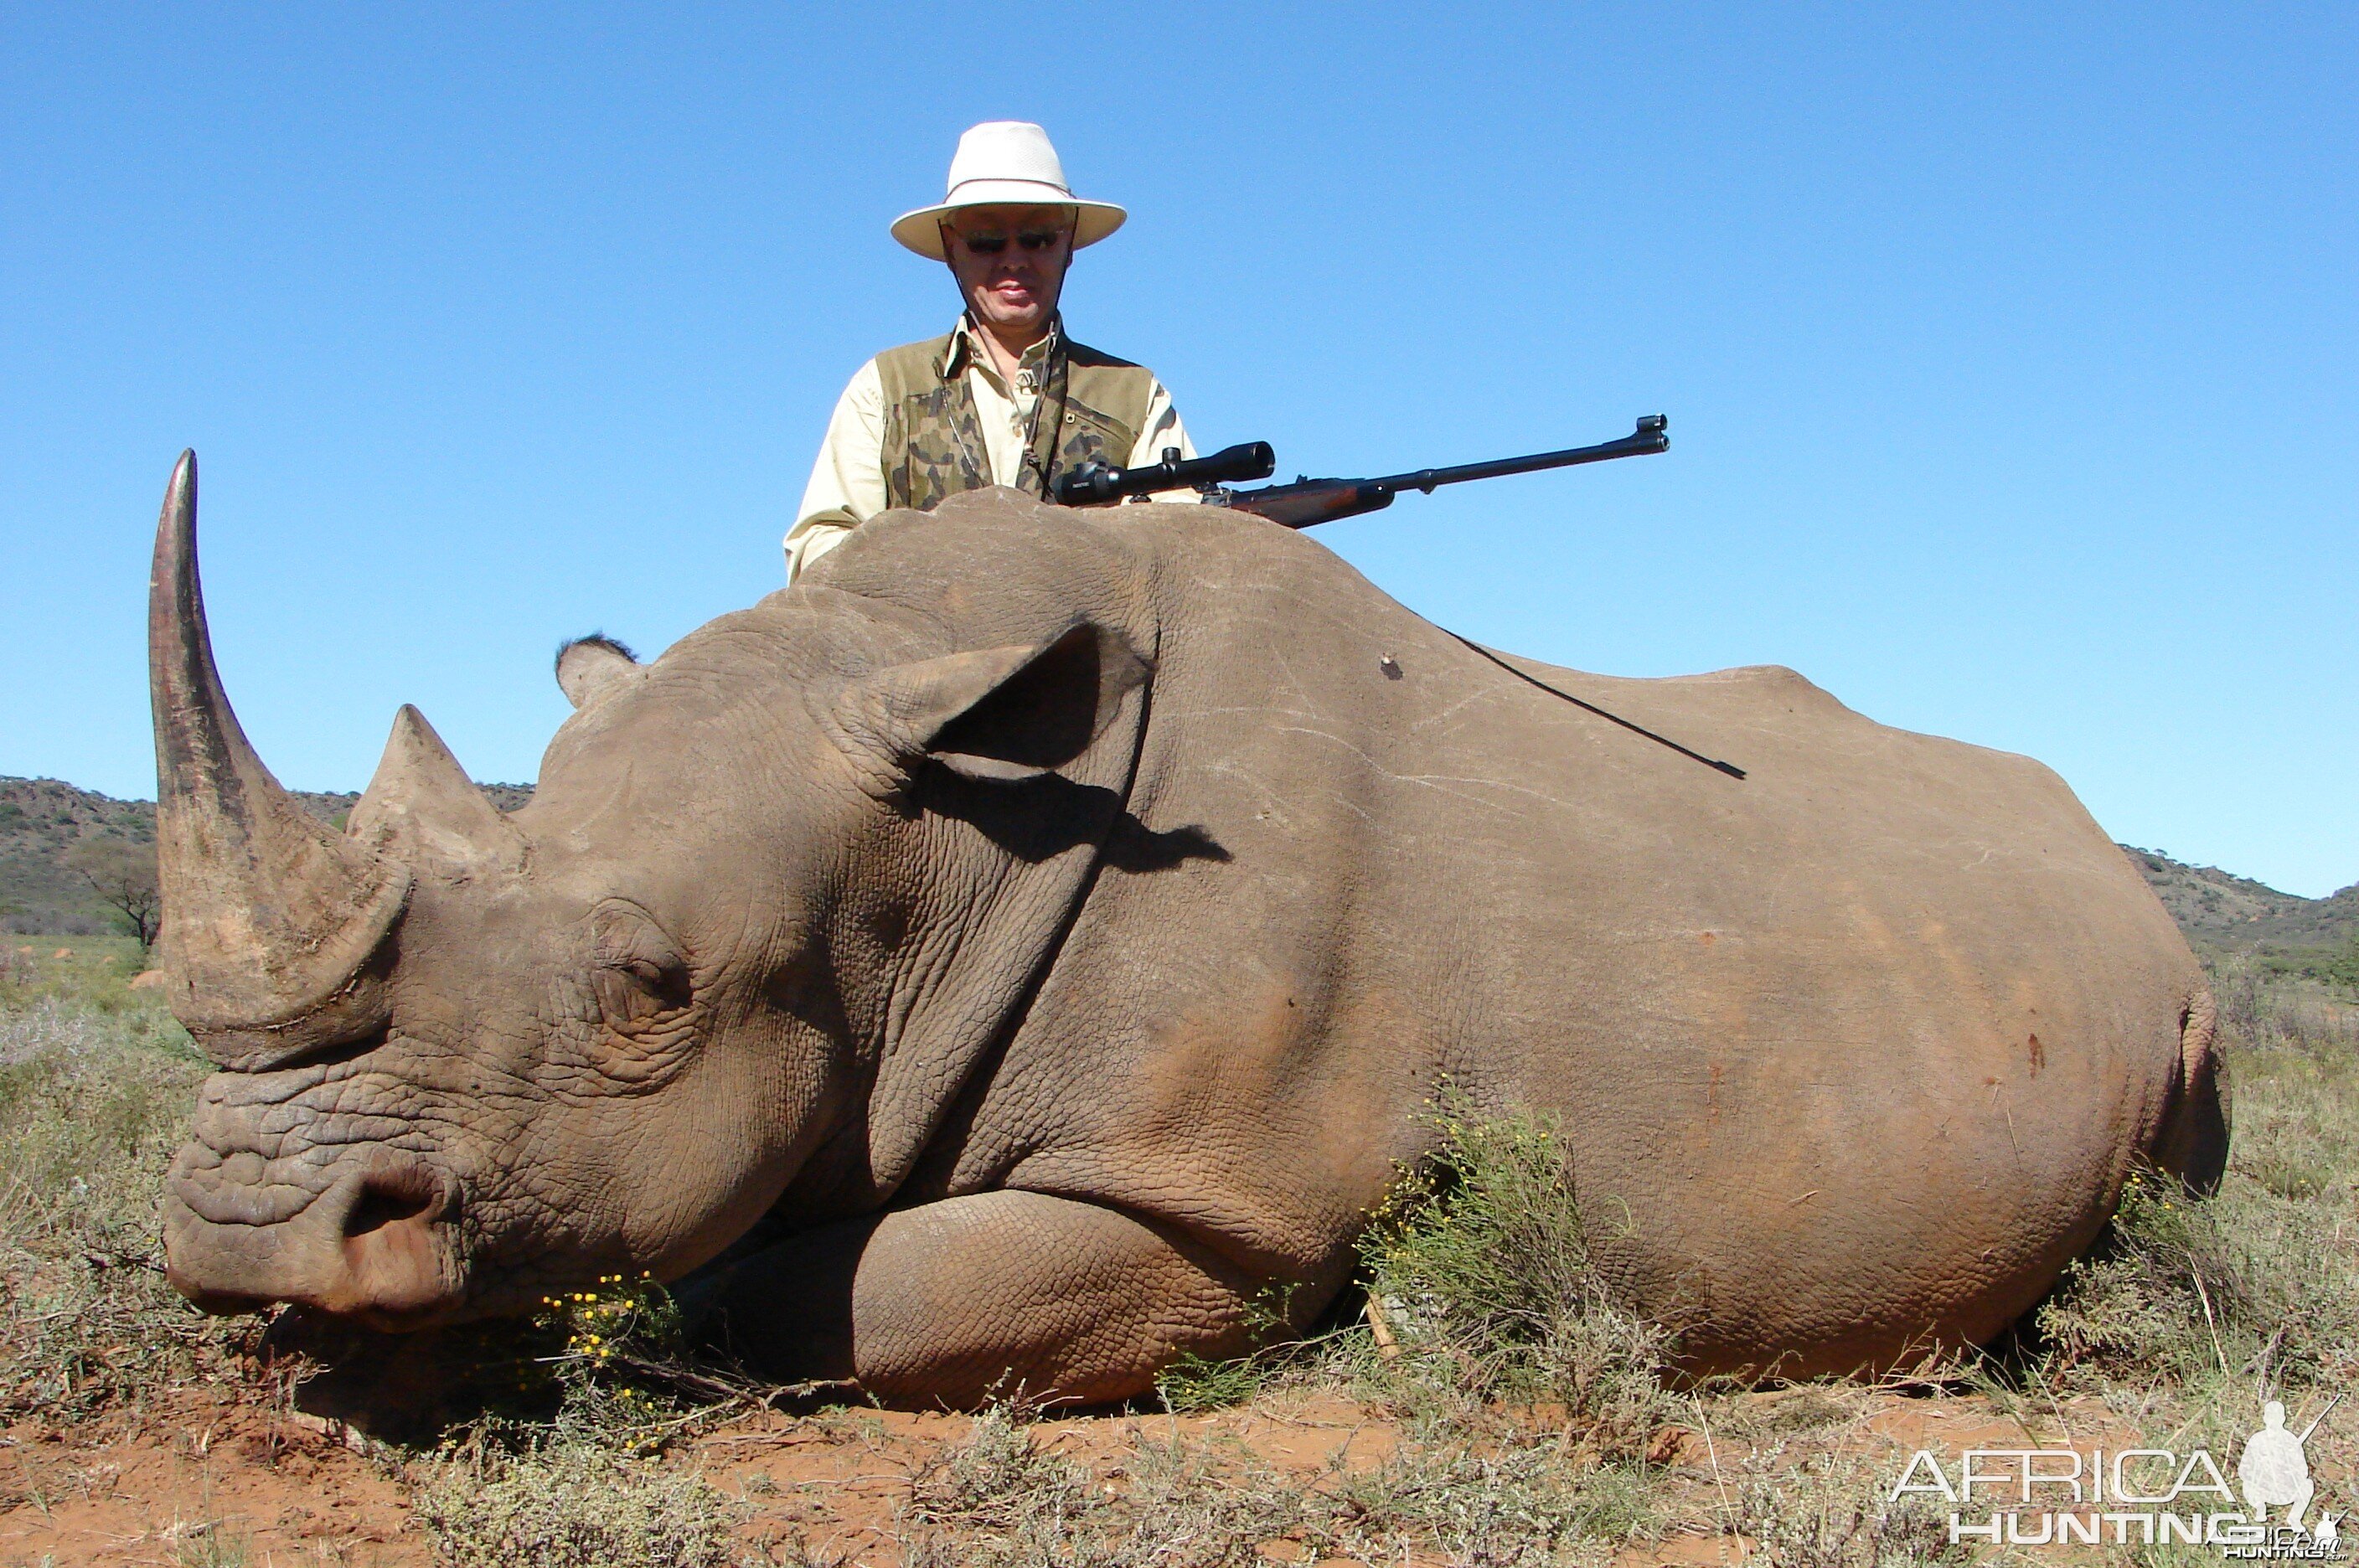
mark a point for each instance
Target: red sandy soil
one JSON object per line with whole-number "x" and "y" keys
{"x": 291, "y": 1490}
{"x": 152, "y": 1488}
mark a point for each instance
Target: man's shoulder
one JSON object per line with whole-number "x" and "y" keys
{"x": 910, "y": 359}
{"x": 1082, "y": 354}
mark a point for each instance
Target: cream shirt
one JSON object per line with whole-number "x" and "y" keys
{"x": 850, "y": 472}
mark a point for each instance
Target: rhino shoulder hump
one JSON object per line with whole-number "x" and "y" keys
{"x": 1773, "y": 682}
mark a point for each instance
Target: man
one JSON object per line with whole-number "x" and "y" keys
{"x": 1005, "y": 398}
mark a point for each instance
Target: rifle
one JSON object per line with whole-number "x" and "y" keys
{"x": 1309, "y": 502}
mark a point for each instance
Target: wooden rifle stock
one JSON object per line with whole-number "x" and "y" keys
{"x": 1309, "y": 502}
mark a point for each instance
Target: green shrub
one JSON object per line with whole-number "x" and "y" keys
{"x": 1481, "y": 1263}
{"x": 1193, "y": 1383}
{"x": 2258, "y": 1283}
{"x": 574, "y": 1504}
{"x": 92, "y": 1103}
{"x": 1826, "y": 1512}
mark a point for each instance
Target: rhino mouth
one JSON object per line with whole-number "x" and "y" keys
{"x": 373, "y": 1237}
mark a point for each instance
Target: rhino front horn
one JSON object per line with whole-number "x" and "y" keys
{"x": 271, "y": 918}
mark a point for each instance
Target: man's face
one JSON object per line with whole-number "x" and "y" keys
{"x": 1010, "y": 263}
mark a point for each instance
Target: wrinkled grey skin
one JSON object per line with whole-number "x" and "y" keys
{"x": 1036, "y": 933}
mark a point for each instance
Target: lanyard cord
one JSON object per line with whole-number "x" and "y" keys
{"x": 1050, "y": 367}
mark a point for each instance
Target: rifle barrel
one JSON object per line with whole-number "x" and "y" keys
{"x": 1648, "y": 439}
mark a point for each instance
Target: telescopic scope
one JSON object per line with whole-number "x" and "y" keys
{"x": 1095, "y": 483}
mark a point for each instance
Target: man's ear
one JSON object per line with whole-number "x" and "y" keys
{"x": 999, "y": 715}
{"x": 587, "y": 666}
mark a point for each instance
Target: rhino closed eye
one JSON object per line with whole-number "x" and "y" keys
{"x": 634, "y": 993}
{"x": 637, "y": 973}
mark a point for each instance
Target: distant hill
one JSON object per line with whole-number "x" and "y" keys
{"x": 2225, "y": 914}
{"x": 41, "y": 819}
{"x": 2226, "y": 910}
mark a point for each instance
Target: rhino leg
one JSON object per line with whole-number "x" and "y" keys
{"x": 995, "y": 1295}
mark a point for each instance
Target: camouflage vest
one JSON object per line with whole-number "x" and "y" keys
{"x": 1091, "y": 406}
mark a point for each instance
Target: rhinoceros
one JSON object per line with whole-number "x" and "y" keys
{"x": 1014, "y": 952}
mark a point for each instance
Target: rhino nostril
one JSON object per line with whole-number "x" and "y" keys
{"x": 391, "y": 1196}
{"x": 378, "y": 1208}
{"x": 396, "y": 1260}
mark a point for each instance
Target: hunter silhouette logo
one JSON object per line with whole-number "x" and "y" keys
{"x": 2275, "y": 1471}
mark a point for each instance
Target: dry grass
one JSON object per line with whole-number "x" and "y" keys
{"x": 1532, "y": 1422}
{"x": 1000, "y": 1500}
{"x": 1821, "y": 1510}
{"x": 574, "y": 1504}
{"x": 2263, "y": 1010}
{"x": 2188, "y": 1315}
{"x": 96, "y": 1086}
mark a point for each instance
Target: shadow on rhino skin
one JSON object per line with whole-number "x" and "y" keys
{"x": 1043, "y": 817}
{"x": 1134, "y": 846}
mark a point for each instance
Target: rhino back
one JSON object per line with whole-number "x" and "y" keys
{"x": 1859, "y": 1045}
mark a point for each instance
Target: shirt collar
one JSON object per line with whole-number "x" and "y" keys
{"x": 963, "y": 351}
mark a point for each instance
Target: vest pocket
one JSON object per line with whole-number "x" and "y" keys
{"x": 1091, "y": 436}
{"x": 938, "y": 446}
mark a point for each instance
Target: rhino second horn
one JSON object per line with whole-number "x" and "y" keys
{"x": 423, "y": 808}
{"x": 270, "y": 917}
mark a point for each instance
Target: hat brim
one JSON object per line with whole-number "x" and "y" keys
{"x": 921, "y": 231}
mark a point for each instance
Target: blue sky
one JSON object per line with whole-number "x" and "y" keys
{"x": 2011, "y": 354}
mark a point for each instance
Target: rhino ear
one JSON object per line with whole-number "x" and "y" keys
{"x": 998, "y": 715}
{"x": 588, "y": 666}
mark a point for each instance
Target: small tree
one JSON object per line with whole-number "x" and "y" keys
{"x": 124, "y": 875}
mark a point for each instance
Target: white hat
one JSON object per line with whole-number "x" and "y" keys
{"x": 1006, "y": 163}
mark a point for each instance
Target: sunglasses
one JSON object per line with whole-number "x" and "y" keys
{"x": 1033, "y": 240}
